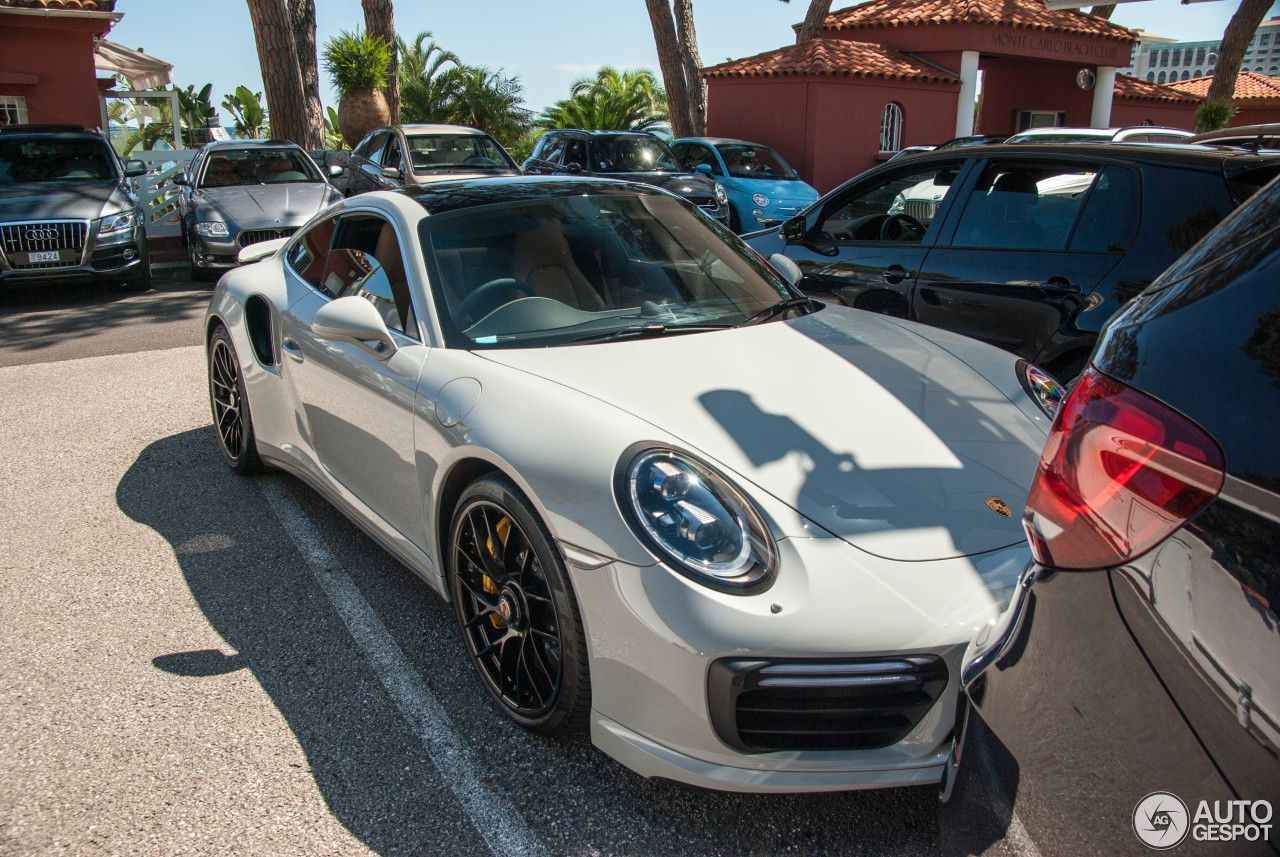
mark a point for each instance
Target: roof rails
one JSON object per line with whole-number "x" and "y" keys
{"x": 42, "y": 129}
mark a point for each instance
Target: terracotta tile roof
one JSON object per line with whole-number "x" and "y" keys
{"x": 1250, "y": 86}
{"x": 1026, "y": 14}
{"x": 69, "y": 5}
{"x": 1137, "y": 89}
{"x": 831, "y": 58}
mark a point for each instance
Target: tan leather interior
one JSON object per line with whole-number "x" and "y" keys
{"x": 388, "y": 254}
{"x": 542, "y": 259}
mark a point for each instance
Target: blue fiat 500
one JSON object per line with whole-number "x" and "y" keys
{"x": 763, "y": 189}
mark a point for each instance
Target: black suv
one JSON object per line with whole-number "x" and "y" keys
{"x": 1130, "y": 697}
{"x": 67, "y": 212}
{"x": 636, "y": 156}
{"x": 1028, "y": 248}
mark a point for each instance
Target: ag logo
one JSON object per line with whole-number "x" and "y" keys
{"x": 1161, "y": 821}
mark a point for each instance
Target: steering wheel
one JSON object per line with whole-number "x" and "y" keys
{"x": 901, "y": 227}
{"x": 489, "y": 297}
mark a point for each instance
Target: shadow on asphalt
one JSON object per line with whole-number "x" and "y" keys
{"x": 373, "y": 773}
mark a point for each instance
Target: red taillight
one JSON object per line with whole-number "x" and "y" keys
{"x": 1119, "y": 473}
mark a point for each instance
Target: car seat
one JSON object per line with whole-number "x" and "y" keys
{"x": 543, "y": 260}
{"x": 387, "y": 252}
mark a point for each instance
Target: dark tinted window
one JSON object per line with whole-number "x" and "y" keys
{"x": 551, "y": 152}
{"x": 227, "y": 167}
{"x": 632, "y": 155}
{"x": 307, "y": 256}
{"x": 51, "y": 159}
{"x": 1110, "y": 216}
{"x": 575, "y": 152}
{"x": 859, "y": 213}
{"x": 372, "y": 146}
{"x": 1020, "y": 206}
{"x": 754, "y": 162}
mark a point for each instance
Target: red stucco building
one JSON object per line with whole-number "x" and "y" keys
{"x": 1257, "y": 97}
{"x": 47, "y": 71}
{"x": 887, "y": 74}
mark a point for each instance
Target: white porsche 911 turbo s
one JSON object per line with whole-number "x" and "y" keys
{"x": 743, "y": 536}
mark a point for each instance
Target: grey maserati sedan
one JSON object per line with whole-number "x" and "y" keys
{"x": 241, "y": 192}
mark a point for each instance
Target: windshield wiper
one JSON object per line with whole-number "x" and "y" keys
{"x": 776, "y": 309}
{"x": 649, "y": 331}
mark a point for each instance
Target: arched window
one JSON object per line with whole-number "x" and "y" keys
{"x": 1160, "y": 79}
{"x": 1200, "y": 58}
{"x": 1186, "y": 75}
{"x": 1275, "y": 69}
{"x": 1199, "y": 73}
{"x": 891, "y": 127}
{"x": 1151, "y": 76}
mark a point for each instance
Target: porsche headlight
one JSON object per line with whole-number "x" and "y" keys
{"x": 212, "y": 229}
{"x": 697, "y": 520}
{"x": 118, "y": 222}
{"x": 721, "y": 196}
{"x": 1041, "y": 386}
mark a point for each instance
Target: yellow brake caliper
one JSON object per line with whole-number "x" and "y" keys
{"x": 502, "y": 529}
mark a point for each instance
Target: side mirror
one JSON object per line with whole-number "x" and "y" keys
{"x": 794, "y": 229}
{"x": 179, "y": 178}
{"x": 334, "y": 171}
{"x": 393, "y": 173}
{"x": 133, "y": 169}
{"x": 353, "y": 319}
{"x": 261, "y": 250}
{"x": 787, "y": 268}
{"x": 573, "y": 168}
{"x": 705, "y": 169}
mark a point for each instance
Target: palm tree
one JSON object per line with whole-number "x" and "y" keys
{"x": 492, "y": 102}
{"x": 611, "y": 101}
{"x": 426, "y": 86}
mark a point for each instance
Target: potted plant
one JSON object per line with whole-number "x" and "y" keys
{"x": 358, "y": 65}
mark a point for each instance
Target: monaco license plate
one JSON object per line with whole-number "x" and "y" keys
{"x": 38, "y": 256}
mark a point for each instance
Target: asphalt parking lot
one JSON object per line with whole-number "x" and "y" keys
{"x": 197, "y": 663}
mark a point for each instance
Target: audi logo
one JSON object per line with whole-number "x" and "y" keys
{"x": 41, "y": 234}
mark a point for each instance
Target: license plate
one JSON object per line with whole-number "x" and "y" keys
{"x": 44, "y": 256}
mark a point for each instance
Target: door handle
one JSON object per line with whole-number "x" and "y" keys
{"x": 894, "y": 274}
{"x": 292, "y": 349}
{"x": 1059, "y": 287}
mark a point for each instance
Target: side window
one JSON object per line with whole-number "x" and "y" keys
{"x": 366, "y": 260}
{"x": 372, "y": 146}
{"x": 1111, "y": 213}
{"x": 307, "y": 256}
{"x": 898, "y": 209}
{"x": 391, "y": 155}
{"x": 551, "y": 154}
{"x": 697, "y": 154}
{"x": 681, "y": 151}
{"x": 575, "y": 152}
{"x": 1022, "y": 206}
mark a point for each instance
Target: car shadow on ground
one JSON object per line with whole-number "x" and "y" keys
{"x": 373, "y": 772}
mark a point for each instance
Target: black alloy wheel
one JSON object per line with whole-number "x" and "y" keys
{"x": 516, "y": 610}
{"x": 230, "y": 405}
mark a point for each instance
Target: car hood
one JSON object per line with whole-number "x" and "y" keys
{"x": 60, "y": 200}
{"x": 786, "y": 192}
{"x": 866, "y": 428}
{"x": 287, "y": 203}
{"x": 683, "y": 184}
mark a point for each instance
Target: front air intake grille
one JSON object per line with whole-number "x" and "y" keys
{"x": 921, "y": 209}
{"x": 62, "y": 237}
{"x": 763, "y": 706}
{"x": 257, "y": 236}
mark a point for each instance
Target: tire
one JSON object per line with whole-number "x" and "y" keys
{"x": 232, "y": 421}
{"x": 501, "y": 557}
{"x": 143, "y": 282}
{"x": 735, "y": 223}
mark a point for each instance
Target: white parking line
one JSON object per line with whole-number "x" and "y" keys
{"x": 497, "y": 821}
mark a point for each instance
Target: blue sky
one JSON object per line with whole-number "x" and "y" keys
{"x": 547, "y": 45}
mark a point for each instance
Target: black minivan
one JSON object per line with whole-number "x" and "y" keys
{"x": 1130, "y": 697}
{"x": 1030, "y": 248}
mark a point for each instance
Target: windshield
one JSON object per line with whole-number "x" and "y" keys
{"x": 52, "y": 160}
{"x": 632, "y": 155}
{"x": 468, "y": 152}
{"x": 754, "y": 162}
{"x": 230, "y": 167}
{"x": 579, "y": 268}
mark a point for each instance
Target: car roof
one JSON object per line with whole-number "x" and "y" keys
{"x": 63, "y": 131}
{"x": 716, "y": 141}
{"x": 423, "y": 128}
{"x": 456, "y": 194}
{"x": 587, "y": 133}
{"x": 1239, "y": 131}
{"x": 1187, "y": 153}
{"x": 251, "y": 144}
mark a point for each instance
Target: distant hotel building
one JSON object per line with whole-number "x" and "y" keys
{"x": 1164, "y": 60}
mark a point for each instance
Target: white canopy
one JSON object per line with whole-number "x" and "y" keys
{"x": 146, "y": 72}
